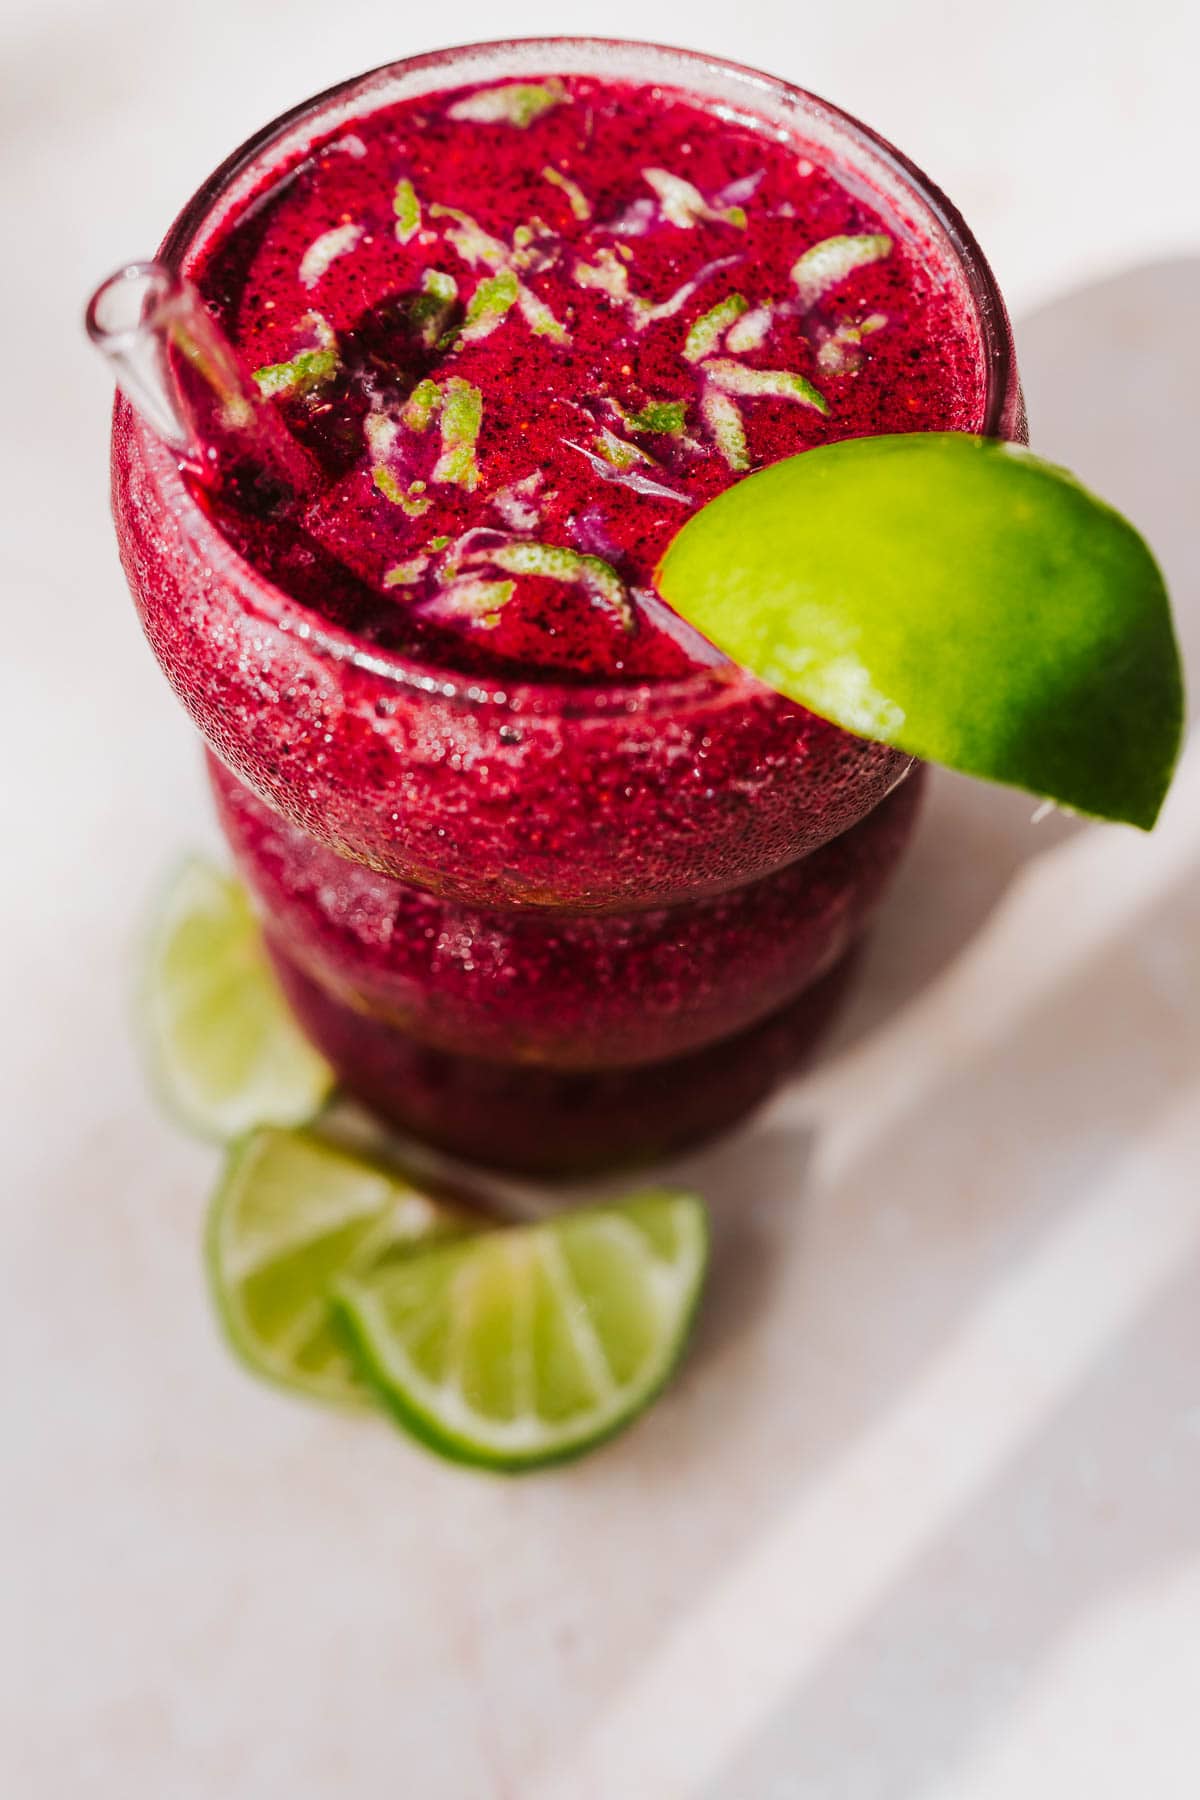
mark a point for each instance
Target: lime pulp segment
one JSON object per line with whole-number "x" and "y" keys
{"x": 529, "y": 1345}
{"x": 222, "y": 1047}
{"x": 291, "y": 1215}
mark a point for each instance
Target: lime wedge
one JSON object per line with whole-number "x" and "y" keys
{"x": 953, "y": 596}
{"x": 222, "y": 1048}
{"x": 290, "y": 1215}
{"x": 528, "y": 1345}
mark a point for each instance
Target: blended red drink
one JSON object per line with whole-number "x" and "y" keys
{"x": 548, "y": 880}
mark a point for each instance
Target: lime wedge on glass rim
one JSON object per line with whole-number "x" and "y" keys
{"x": 221, "y": 1046}
{"x": 292, "y": 1214}
{"x": 956, "y": 597}
{"x": 529, "y": 1345}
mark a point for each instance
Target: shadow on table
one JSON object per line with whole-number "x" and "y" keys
{"x": 883, "y": 1261}
{"x": 1099, "y": 1502}
{"x": 1102, "y": 375}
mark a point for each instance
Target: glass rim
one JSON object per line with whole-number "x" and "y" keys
{"x": 256, "y": 593}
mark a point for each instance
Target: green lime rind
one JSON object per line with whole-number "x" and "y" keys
{"x": 956, "y": 597}
{"x": 290, "y": 1215}
{"x": 528, "y": 1346}
{"x": 220, "y": 1047}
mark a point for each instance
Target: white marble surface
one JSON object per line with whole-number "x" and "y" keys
{"x": 922, "y": 1519}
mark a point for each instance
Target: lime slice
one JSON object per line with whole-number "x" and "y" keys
{"x": 953, "y": 596}
{"x": 528, "y": 1345}
{"x": 290, "y": 1215}
{"x": 222, "y": 1048}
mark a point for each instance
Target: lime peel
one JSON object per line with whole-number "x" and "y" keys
{"x": 407, "y": 209}
{"x": 325, "y": 250}
{"x": 956, "y": 597}
{"x": 704, "y": 336}
{"x": 493, "y": 297}
{"x": 307, "y": 370}
{"x": 684, "y": 205}
{"x": 661, "y": 417}
{"x": 755, "y": 384}
{"x": 724, "y": 421}
{"x": 516, "y": 103}
{"x": 462, "y": 417}
{"x": 574, "y": 195}
{"x": 556, "y": 562}
{"x": 538, "y": 316}
{"x": 825, "y": 265}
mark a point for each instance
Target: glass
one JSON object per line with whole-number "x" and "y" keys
{"x": 593, "y": 842}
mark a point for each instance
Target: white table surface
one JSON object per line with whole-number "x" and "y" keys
{"x": 921, "y": 1521}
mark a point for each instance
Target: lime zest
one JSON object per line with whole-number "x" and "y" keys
{"x": 407, "y": 208}
{"x": 515, "y": 502}
{"x": 953, "y": 596}
{"x": 472, "y": 599}
{"x": 221, "y": 1047}
{"x": 535, "y": 246}
{"x": 418, "y": 410}
{"x": 516, "y": 103}
{"x": 608, "y": 275}
{"x": 381, "y": 432}
{"x": 575, "y": 197}
{"x": 411, "y": 501}
{"x": 406, "y": 574}
{"x": 325, "y": 250}
{"x": 430, "y": 310}
{"x": 620, "y": 452}
{"x": 749, "y": 332}
{"x": 538, "y": 316}
{"x": 645, "y": 314}
{"x": 441, "y": 286}
{"x": 479, "y": 248}
{"x": 705, "y": 335}
{"x": 724, "y": 422}
{"x": 387, "y": 485}
{"x": 308, "y": 370}
{"x": 840, "y": 351}
{"x": 492, "y": 298}
{"x": 779, "y": 384}
{"x": 662, "y": 417}
{"x": 475, "y": 245}
{"x": 684, "y": 205}
{"x": 825, "y": 265}
{"x": 462, "y": 417}
{"x": 558, "y": 563}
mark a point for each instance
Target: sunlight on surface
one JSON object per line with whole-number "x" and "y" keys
{"x": 1010, "y": 1366}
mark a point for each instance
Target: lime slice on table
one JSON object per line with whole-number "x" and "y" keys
{"x": 956, "y": 597}
{"x": 290, "y": 1215}
{"x": 529, "y": 1345}
{"x": 222, "y": 1047}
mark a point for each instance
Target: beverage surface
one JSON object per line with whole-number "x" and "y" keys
{"x": 525, "y": 330}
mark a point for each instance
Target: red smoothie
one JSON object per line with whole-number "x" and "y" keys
{"x": 522, "y": 353}
{"x": 522, "y": 314}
